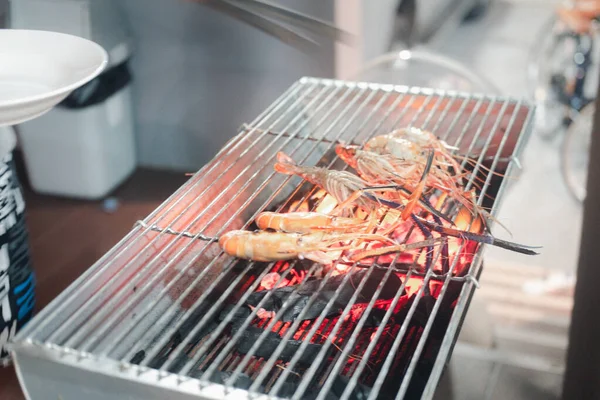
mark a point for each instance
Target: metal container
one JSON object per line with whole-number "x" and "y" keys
{"x": 154, "y": 318}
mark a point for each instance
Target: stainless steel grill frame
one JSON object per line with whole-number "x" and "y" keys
{"x": 134, "y": 300}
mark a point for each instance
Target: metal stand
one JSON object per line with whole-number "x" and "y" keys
{"x": 582, "y": 375}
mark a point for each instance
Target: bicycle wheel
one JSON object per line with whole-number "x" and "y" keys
{"x": 552, "y": 70}
{"x": 575, "y": 152}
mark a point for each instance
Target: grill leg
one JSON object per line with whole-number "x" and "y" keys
{"x": 444, "y": 390}
{"x": 478, "y": 328}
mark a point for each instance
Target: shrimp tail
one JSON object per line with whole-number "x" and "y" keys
{"x": 487, "y": 239}
{"x": 286, "y": 165}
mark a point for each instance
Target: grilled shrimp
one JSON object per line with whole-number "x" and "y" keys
{"x": 428, "y": 141}
{"x": 343, "y": 186}
{"x": 348, "y": 188}
{"x": 422, "y": 138}
{"x": 386, "y": 169}
{"x": 372, "y": 167}
{"x": 277, "y": 246}
{"x": 307, "y": 222}
{"x": 412, "y": 145}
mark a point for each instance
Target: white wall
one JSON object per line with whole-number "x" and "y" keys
{"x": 372, "y": 22}
{"x": 199, "y": 75}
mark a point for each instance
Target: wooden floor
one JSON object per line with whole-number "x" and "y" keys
{"x": 68, "y": 236}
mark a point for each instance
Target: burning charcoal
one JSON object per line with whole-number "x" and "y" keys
{"x": 375, "y": 318}
{"x": 300, "y": 299}
{"x": 412, "y": 336}
{"x": 270, "y": 280}
{"x": 176, "y": 340}
{"x": 251, "y": 334}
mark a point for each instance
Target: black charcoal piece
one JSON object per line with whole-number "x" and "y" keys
{"x": 243, "y": 381}
{"x": 138, "y": 357}
{"x": 266, "y": 349}
{"x": 299, "y": 300}
{"x": 375, "y": 318}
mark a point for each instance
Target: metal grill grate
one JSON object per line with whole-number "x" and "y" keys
{"x": 158, "y": 308}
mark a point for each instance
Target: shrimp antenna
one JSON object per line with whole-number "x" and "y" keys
{"x": 487, "y": 239}
{"x": 397, "y": 206}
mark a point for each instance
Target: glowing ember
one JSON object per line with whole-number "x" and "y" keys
{"x": 262, "y": 313}
{"x": 413, "y": 285}
{"x": 270, "y": 281}
{"x": 327, "y": 205}
{"x": 341, "y": 268}
{"x": 401, "y": 232}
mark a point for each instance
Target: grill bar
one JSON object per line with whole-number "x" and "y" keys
{"x": 380, "y": 329}
{"x": 350, "y": 344}
{"x": 166, "y": 337}
{"x": 156, "y": 296}
{"x": 315, "y": 365}
{"x": 58, "y": 305}
{"x": 248, "y": 292}
{"x": 312, "y": 332}
{"x": 223, "y": 325}
{"x": 475, "y": 269}
{"x": 310, "y": 373}
{"x": 284, "y": 307}
{"x": 366, "y": 355}
{"x": 438, "y": 302}
{"x": 177, "y": 197}
{"x": 426, "y": 281}
{"x": 313, "y": 368}
{"x": 83, "y": 333}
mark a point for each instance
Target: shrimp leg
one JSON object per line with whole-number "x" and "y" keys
{"x": 427, "y": 233}
{"x": 397, "y": 206}
{"x": 399, "y": 248}
{"x": 416, "y": 195}
{"x": 487, "y": 239}
{"x": 445, "y": 250}
{"x": 429, "y": 257}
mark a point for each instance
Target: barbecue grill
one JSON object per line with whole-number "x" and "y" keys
{"x": 165, "y": 314}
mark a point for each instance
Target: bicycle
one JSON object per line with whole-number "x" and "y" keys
{"x": 564, "y": 91}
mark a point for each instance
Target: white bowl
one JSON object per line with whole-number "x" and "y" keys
{"x": 38, "y": 69}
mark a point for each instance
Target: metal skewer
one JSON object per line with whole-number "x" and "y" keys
{"x": 272, "y": 19}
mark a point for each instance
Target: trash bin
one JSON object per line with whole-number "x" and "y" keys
{"x": 84, "y": 147}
